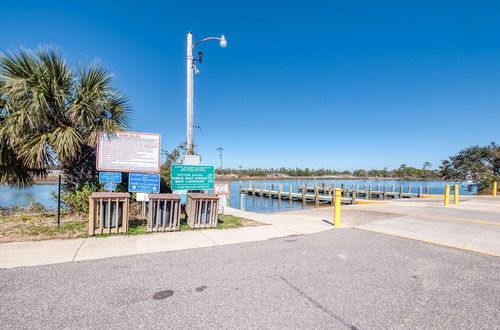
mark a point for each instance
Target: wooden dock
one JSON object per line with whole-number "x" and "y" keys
{"x": 264, "y": 191}
{"x": 323, "y": 193}
{"x": 368, "y": 191}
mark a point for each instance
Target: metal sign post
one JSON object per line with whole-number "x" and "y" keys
{"x": 59, "y": 202}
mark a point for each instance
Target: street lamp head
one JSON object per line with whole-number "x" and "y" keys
{"x": 223, "y": 41}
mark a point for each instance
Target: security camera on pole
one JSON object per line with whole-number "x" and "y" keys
{"x": 190, "y": 158}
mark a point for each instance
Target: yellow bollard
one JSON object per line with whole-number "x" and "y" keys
{"x": 446, "y": 195}
{"x": 495, "y": 188}
{"x": 337, "y": 201}
{"x": 455, "y": 193}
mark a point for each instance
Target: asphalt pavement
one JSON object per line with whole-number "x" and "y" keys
{"x": 337, "y": 279}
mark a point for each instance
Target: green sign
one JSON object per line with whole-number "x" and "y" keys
{"x": 192, "y": 177}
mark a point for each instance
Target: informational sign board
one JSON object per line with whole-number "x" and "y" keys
{"x": 222, "y": 204}
{"x": 182, "y": 194}
{"x": 191, "y": 160}
{"x": 144, "y": 182}
{"x": 192, "y": 177}
{"x": 222, "y": 188}
{"x": 142, "y": 197}
{"x": 108, "y": 186}
{"x": 128, "y": 152}
{"x": 110, "y": 177}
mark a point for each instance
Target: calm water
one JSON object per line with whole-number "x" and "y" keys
{"x": 259, "y": 204}
{"x": 38, "y": 193}
{"x": 41, "y": 193}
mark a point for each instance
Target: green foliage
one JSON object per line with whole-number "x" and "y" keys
{"x": 481, "y": 165}
{"x": 173, "y": 157}
{"x": 78, "y": 200}
{"x": 50, "y": 114}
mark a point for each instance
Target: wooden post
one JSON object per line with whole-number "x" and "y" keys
{"x": 427, "y": 190}
{"x": 393, "y": 188}
{"x": 304, "y": 194}
{"x": 385, "y": 192}
{"x": 316, "y": 195}
{"x": 369, "y": 196}
{"x": 280, "y": 191}
{"x": 354, "y": 196}
{"x": 409, "y": 189}
{"x": 378, "y": 187}
{"x": 420, "y": 191}
{"x": 92, "y": 217}
{"x": 242, "y": 202}
{"x": 400, "y": 191}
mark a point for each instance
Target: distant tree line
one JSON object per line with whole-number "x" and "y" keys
{"x": 404, "y": 171}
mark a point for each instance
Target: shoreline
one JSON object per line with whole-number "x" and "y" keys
{"x": 271, "y": 178}
{"x": 265, "y": 178}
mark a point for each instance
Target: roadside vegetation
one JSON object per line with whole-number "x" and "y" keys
{"x": 479, "y": 166}
{"x": 32, "y": 222}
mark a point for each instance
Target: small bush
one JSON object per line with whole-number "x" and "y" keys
{"x": 78, "y": 201}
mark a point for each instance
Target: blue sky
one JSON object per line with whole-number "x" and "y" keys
{"x": 334, "y": 84}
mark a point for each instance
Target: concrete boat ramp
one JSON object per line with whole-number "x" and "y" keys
{"x": 473, "y": 224}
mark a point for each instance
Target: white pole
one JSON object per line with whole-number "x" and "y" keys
{"x": 189, "y": 94}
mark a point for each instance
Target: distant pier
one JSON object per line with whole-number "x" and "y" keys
{"x": 323, "y": 193}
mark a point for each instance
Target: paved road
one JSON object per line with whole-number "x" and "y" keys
{"x": 343, "y": 278}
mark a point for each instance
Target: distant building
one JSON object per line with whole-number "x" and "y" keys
{"x": 278, "y": 175}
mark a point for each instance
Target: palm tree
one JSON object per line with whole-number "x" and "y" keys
{"x": 50, "y": 114}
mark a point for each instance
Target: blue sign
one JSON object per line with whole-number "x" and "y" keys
{"x": 144, "y": 182}
{"x": 110, "y": 177}
{"x": 110, "y": 186}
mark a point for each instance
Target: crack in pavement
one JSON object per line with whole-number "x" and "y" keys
{"x": 318, "y": 305}
{"x": 78, "y": 250}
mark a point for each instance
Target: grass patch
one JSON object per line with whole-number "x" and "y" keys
{"x": 139, "y": 226}
{"x": 66, "y": 228}
{"x": 25, "y": 227}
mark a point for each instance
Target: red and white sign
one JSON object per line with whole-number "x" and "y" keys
{"x": 221, "y": 188}
{"x": 128, "y": 152}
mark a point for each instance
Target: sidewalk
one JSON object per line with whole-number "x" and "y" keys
{"x": 57, "y": 251}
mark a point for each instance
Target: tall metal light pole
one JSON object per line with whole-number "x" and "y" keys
{"x": 220, "y": 156}
{"x": 190, "y": 71}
